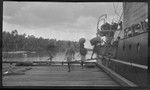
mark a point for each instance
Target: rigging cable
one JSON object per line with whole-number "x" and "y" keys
{"x": 115, "y": 9}
{"x": 120, "y": 20}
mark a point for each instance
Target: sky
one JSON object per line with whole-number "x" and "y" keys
{"x": 59, "y": 20}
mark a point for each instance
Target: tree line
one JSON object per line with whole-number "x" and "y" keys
{"x": 12, "y": 41}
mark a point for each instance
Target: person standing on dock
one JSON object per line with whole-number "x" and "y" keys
{"x": 51, "y": 56}
{"x": 51, "y": 48}
{"x": 95, "y": 50}
{"x": 70, "y": 53}
{"x": 83, "y": 51}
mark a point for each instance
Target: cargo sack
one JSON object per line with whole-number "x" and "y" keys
{"x": 82, "y": 40}
{"x": 95, "y": 40}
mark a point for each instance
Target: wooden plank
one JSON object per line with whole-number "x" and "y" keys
{"x": 121, "y": 80}
{"x": 60, "y": 83}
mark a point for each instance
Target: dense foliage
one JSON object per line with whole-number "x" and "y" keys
{"x": 21, "y": 42}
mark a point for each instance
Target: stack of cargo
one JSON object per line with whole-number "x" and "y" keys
{"x": 82, "y": 40}
{"x": 95, "y": 40}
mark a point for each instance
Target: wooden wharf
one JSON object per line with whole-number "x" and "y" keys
{"x": 56, "y": 74}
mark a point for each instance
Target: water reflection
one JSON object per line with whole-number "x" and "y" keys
{"x": 44, "y": 57}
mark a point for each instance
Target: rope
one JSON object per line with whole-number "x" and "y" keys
{"x": 115, "y": 9}
{"x": 99, "y": 19}
{"x": 119, "y": 21}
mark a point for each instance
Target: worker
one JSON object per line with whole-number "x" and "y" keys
{"x": 83, "y": 51}
{"x": 70, "y": 53}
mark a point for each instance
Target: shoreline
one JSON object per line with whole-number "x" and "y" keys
{"x": 17, "y": 52}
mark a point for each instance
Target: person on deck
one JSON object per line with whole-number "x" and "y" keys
{"x": 96, "y": 43}
{"x": 83, "y": 51}
{"x": 70, "y": 53}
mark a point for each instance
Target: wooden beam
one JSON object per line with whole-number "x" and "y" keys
{"x": 121, "y": 80}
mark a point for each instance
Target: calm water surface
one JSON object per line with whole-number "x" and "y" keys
{"x": 58, "y": 57}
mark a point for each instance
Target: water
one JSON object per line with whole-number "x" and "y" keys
{"x": 37, "y": 57}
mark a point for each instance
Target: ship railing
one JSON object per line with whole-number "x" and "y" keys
{"x": 123, "y": 62}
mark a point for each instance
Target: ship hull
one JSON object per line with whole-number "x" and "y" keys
{"x": 132, "y": 61}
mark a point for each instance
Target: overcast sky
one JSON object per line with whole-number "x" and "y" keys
{"x": 60, "y": 20}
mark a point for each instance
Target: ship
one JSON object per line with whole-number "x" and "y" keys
{"x": 126, "y": 52}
